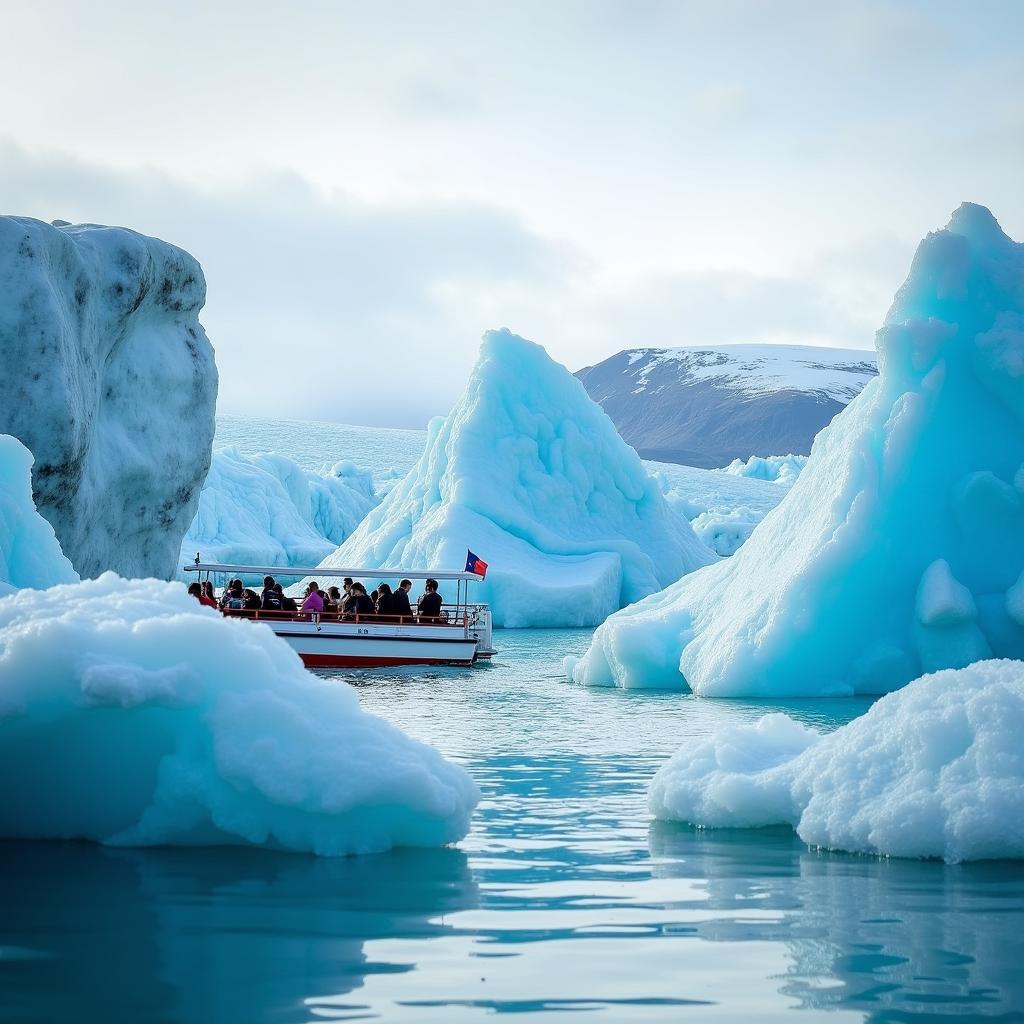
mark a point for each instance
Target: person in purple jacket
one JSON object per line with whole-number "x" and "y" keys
{"x": 314, "y": 602}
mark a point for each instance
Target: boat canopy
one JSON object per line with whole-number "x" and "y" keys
{"x": 323, "y": 572}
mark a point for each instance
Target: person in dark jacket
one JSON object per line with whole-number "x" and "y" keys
{"x": 429, "y": 604}
{"x": 270, "y": 599}
{"x": 287, "y": 603}
{"x": 251, "y": 600}
{"x": 385, "y": 600}
{"x": 358, "y": 602}
{"x": 400, "y": 599}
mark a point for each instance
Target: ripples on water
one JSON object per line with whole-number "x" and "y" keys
{"x": 565, "y": 899}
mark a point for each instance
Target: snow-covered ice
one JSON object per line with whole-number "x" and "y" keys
{"x": 759, "y": 369}
{"x": 110, "y": 383}
{"x": 531, "y": 475}
{"x": 30, "y": 555}
{"x": 899, "y": 546}
{"x": 933, "y": 770}
{"x": 131, "y": 715}
{"x": 266, "y": 510}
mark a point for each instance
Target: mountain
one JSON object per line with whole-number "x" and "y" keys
{"x": 707, "y": 406}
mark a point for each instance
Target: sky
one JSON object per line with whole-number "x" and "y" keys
{"x": 370, "y": 187}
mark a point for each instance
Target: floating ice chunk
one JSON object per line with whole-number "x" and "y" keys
{"x": 266, "y": 510}
{"x": 934, "y": 770}
{"x": 30, "y": 555}
{"x": 130, "y": 715}
{"x": 531, "y": 475}
{"x": 110, "y": 381}
{"x": 922, "y": 467}
{"x": 782, "y": 468}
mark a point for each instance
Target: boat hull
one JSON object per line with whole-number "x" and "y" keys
{"x": 334, "y": 646}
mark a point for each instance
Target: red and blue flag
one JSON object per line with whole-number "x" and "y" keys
{"x": 475, "y": 564}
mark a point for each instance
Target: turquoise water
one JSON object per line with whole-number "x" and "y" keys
{"x": 564, "y": 903}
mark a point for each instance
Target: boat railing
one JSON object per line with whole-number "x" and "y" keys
{"x": 466, "y": 617}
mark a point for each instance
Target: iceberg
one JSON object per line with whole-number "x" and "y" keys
{"x": 934, "y": 770}
{"x": 133, "y": 716}
{"x": 781, "y": 468}
{"x": 30, "y": 555}
{"x": 900, "y": 547}
{"x": 531, "y": 475}
{"x": 266, "y": 510}
{"x": 110, "y": 382}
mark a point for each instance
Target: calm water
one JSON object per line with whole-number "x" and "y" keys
{"x": 565, "y": 902}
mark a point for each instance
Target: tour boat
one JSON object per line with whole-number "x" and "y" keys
{"x": 461, "y": 635}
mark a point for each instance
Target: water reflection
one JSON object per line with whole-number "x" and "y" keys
{"x": 885, "y": 937}
{"x": 90, "y": 933}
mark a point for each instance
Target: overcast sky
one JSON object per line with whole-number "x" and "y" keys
{"x": 371, "y": 186}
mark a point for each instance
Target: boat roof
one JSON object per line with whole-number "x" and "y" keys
{"x": 324, "y": 572}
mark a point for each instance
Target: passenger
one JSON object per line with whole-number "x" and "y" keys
{"x": 251, "y": 600}
{"x": 233, "y": 598}
{"x": 374, "y": 594}
{"x": 208, "y": 598}
{"x": 347, "y": 585}
{"x": 400, "y": 599}
{"x": 270, "y": 599}
{"x": 385, "y": 603}
{"x": 196, "y": 591}
{"x": 287, "y": 603}
{"x": 313, "y": 602}
{"x": 358, "y": 602}
{"x": 332, "y": 601}
{"x": 429, "y": 605}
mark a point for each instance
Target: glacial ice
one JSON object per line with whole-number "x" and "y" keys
{"x": 782, "y": 468}
{"x": 131, "y": 715}
{"x": 531, "y": 475}
{"x": 30, "y": 555}
{"x": 899, "y": 546}
{"x": 111, "y": 386}
{"x": 266, "y": 510}
{"x": 933, "y": 770}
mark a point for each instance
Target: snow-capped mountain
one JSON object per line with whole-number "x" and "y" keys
{"x": 707, "y": 406}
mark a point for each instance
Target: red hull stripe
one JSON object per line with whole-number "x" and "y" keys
{"x": 355, "y": 661}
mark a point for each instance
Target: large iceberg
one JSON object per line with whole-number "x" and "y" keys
{"x": 267, "y": 510}
{"x": 131, "y": 715}
{"x": 30, "y": 555}
{"x": 934, "y": 770}
{"x": 531, "y": 475}
{"x": 900, "y": 547}
{"x": 111, "y": 385}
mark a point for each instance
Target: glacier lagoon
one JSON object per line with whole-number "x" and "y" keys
{"x": 565, "y": 897}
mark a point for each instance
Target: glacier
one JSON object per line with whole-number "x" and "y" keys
{"x": 111, "y": 384}
{"x": 265, "y": 509}
{"x": 933, "y": 770}
{"x": 132, "y": 716}
{"x": 900, "y": 547}
{"x": 531, "y": 475}
{"x": 30, "y": 555}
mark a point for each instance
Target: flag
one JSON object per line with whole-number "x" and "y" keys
{"x": 475, "y": 565}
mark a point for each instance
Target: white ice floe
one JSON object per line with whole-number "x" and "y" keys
{"x": 131, "y": 715}
{"x": 30, "y": 555}
{"x": 899, "y": 547}
{"x": 110, "y": 382}
{"x": 531, "y": 475}
{"x": 933, "y": 770}
{"x": 266, "y": 510}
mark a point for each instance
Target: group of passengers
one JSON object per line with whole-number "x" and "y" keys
{"x": 353, "y": 601}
